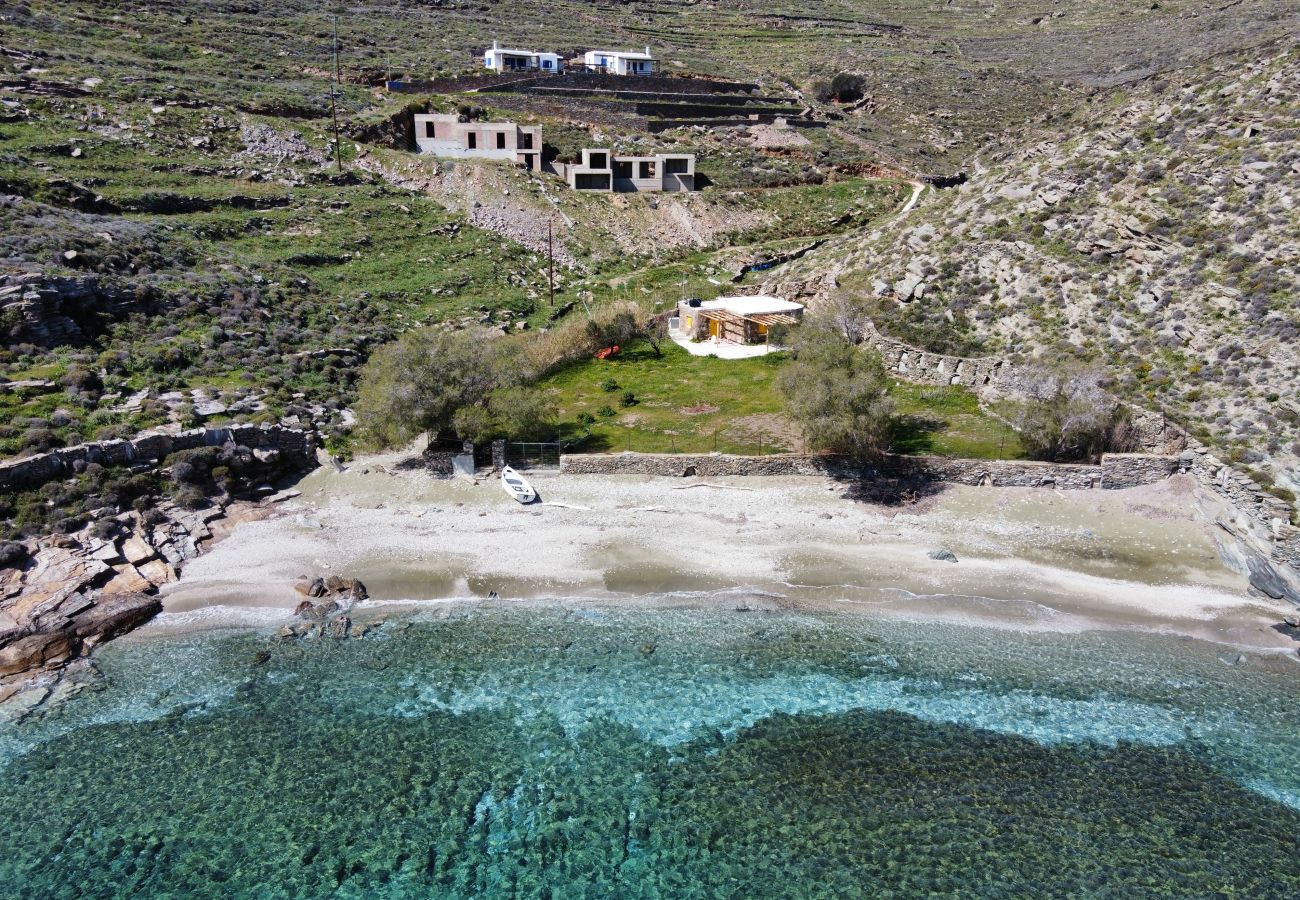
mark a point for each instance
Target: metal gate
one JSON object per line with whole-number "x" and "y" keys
{"x": 523, "y": 455}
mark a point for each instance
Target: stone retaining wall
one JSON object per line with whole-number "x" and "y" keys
{"x": 1115, "y": 471}
{"x": 152, "y": 447}
{"x": 924, "y": 367}
{"x": 705, "y": 465}
{"x": 1286, "y": 548}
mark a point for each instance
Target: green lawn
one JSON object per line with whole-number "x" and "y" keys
{"x": 685, "y": 403}
{"x": 948, "y": 421}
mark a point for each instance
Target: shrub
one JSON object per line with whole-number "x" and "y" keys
{"x": 838, "y": 393}
{"x": 609, "y": 385}
{"x": 192, "y": 498}
{"x": 847, "y": 87}
{"x": 39, "y": 440}
{"x": 524, "y": 413}
{"x": 606, "y": 412}
{"x": 12, "y": 554}
{"x": 628, "y": 399}
{"x": 1070, "y": 416}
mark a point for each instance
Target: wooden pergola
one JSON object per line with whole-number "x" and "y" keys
{"x": 745, "y": 324}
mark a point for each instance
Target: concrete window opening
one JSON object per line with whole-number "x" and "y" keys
{"x": 473, "y": 140}
{"x": 622, "y": 169}
{"x": 676, "y": 166}
{"x": 593, "y": 182}
{"x": 501, "y": 140}
{"x": 647, "y": 170}
{"x": 599, "y": 161}
{"x": 527, "y": 142}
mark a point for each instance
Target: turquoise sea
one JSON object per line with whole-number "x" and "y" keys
{"x": 568, "y": 750}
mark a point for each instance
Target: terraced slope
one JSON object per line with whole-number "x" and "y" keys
{"x": 1157, "y": 231}
{"x": 941, "y": 75}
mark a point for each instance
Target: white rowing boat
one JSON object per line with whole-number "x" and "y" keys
{"x": 516, "y": 487}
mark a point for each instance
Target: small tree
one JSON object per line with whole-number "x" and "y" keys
{"x": 1069, "y": 416}
{"x": 623, "y": 323}
{"x": 473, "y": 423}
{"x": 838, "y": 393}
{"x": 417, "y": 384}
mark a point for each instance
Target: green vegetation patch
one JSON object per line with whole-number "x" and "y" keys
{"x": 698, "y": 404}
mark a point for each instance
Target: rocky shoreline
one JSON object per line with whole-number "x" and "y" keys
{"x": 67, "y": 594}
{"x": 63, "y": 594}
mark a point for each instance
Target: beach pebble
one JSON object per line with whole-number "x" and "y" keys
{"x": 943, "y": 555}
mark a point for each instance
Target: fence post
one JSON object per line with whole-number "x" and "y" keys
{"x": 498, "y": 454}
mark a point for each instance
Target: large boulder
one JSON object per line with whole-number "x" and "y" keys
{"x": 36, "y": 651}
{"x": 112, "y": 615}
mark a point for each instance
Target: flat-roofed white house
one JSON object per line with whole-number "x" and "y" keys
{"x": 444, "y": 134}
{"x": 601, "y": 170}
{"x": 737, "y": 320}
{"x": 503, "y": 59}
{"x": 621, "y": 62}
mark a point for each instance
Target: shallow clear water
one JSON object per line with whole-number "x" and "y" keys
{"x": 565, "y": 751}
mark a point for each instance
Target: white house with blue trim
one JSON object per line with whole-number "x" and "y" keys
{"x": 504, "y": 59}
{"x": 619, "y": 62}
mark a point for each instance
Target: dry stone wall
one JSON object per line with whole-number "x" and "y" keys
{"x": 924, "y": 367}
{"x": 1115, "y": 471}
{"x": 152, "y": 447}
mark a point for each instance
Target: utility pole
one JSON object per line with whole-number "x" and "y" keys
{"x": 550, "y": 245}
{"x": 338, "y": 145}
{"x": 334, "y": 107}
{"x": 337, "y": 78}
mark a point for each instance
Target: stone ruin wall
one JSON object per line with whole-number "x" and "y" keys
{"x": 151, "y": 448}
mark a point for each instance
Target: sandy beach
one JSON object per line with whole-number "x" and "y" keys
{"x": 1027, "y": 559}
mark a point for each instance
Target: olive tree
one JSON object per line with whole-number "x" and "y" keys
{"x": 418, "y": 383}
{"x": 838, "y": 393}
{"x": 523, "y": 413}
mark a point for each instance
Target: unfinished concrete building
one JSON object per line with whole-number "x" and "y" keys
{"x": 601, "y": 170}
{"x": 444, "y": 134}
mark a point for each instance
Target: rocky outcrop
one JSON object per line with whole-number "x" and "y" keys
{"x": 52, "y": 310}
{"x": 62, "y": 595}
{"x": 150, "y": 448}
{"x": 330, "y": 588}
{"x": 70, "y": 593}
{"x": 1153, "y": 231}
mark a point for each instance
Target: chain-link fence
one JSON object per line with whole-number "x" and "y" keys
{"x": 533, "y": 455}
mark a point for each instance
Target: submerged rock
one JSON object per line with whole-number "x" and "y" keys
{"x": 943, "y": 555}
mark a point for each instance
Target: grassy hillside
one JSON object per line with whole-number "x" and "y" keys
{"x": 172, "y": 202}
{"x": 942, "y": 75}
